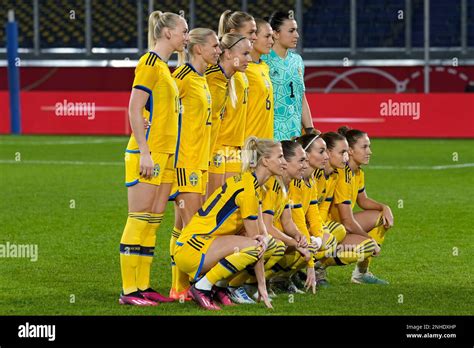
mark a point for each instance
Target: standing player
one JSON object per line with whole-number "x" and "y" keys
{"x": 375, "y": 218}
{"x": 209, "y": 249}
{"x": 259, "y": 121}
{"x": 149, "y": 157}
{"x": 195, "y": 136}
{"x": 292, "y": 111}
{"x": 226, "y": 161}
{"x": 221, "y": 79}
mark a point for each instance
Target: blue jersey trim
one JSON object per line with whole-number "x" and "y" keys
{"x": 347, "y": 202}
{"x": 128, "y": 184}
{"x": 178, "y": 141}
{"x": 193, "y": 69}
{"x": 179, "y": 243}
{"x": 252, "y": 217}
{"x": 150, "y": 99}
{"x": 269, "y": 212}
{"x": 173, "y": 196}
{"x": 132, "y": 151}
{"x": 203, "y": 256}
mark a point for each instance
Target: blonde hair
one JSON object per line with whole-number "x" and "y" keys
{"x": 156, "y": 22}
{"x": 198, "y": 36}
{"x": 232, "y": 20}
{"x": 253, "y": 151}
{"x": 228, "y": 42}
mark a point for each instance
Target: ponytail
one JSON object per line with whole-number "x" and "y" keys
{"x": 352, "y": 135}
{"x": 228, "y": 42}
{"x": 232, "y": 20}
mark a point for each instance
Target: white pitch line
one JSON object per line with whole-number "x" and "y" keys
{"x": 74, "y": 163}
{"x": 98, "y": 163}
{"x": 65, "y": 142}
{"x": 448, "y": 166}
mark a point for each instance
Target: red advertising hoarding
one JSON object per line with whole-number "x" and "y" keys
{"x": 381, "y": 115}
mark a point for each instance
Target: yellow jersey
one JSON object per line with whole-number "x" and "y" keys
{"x": 349, "y": 184}
{"x": 224, "y": 211}
{"x": 305, "y": 210}
{"x": 326, "y": 186}
{"x": 218, "y": 86}
{"x": 233, "y": 123}
{"x": 260, "y": 109}
{"x": 275, "y": 201}
{"x": 196, "y": 105}
{"x": 153, "y": 76}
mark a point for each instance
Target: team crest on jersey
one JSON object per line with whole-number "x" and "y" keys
{"x": 193, "y": 179}
{"x": 300, "y": 72}
{"x": 217, "y": 160}
{"x": 156, "y": 170}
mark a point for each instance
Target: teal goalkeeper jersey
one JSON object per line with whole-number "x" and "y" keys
{"x": 287, "y": 77}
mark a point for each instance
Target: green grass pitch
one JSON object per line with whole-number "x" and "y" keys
{"x": 66, "y": 195}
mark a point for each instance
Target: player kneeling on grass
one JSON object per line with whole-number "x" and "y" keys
{"x": 279, "y": 223}
{"x": 375, "y": 218}
{"x": 209, "y": 249}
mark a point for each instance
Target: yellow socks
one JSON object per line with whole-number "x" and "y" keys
{"x": 233, "y": 264}
{"x": 179, "y": 280}
{"x": 133, "y": 234}
{"x": 147, "y": 251}
{"x": 347, "y": 256}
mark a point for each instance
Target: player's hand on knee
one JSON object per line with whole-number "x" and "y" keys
{"x": 262, "y": 243}
{"x": 387, "y": 217}
{"x": 302, "y": 242}
{"x": 146, "y": 165}
{"x": 377, "y": 249}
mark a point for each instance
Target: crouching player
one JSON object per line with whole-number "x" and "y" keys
{"x": 277, "y": 215}
{"x": 304, "y": 195}
{"x": 209, "y": 249}
{"x": 375, "y": 218}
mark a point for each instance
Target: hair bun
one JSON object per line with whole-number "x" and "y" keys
{"x": 343, "y": 130}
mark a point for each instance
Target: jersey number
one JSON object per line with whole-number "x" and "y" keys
{"x": 208, "y": 122}
{"x": 292, "y": 95}
{"x": 268, "y": 104}
{"x": 246, "y": 91}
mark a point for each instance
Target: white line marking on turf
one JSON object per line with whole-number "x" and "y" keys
{"x": 74, "y": 163}
{"x": 103, "y": 163}
{"x": 448, "y": 166}
{"x": 65, "y": 142}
